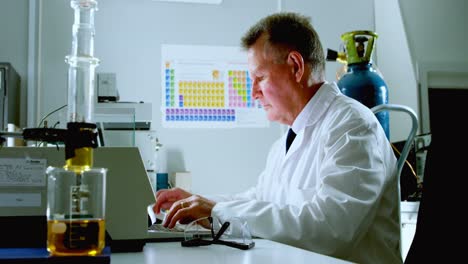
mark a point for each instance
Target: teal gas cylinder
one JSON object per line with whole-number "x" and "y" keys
{"x": 361, "y": 80}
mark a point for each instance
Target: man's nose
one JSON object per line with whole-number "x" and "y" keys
{"x": 255, "y": 90}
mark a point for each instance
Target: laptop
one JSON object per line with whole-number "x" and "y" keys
{"x": 128, "y": 194}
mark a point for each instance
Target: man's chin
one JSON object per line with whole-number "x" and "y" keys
{"x": 271, "y": 117}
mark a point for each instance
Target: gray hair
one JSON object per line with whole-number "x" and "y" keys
{"x": 288, "y": 31}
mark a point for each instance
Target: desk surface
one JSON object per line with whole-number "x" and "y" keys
{"x": 265, "y": 251}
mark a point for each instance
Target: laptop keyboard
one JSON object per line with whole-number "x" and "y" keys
{"x": 160, "y": 227}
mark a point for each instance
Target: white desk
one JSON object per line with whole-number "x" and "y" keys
{"x": 265, "y": 251}
{"x": 409, "y": 217}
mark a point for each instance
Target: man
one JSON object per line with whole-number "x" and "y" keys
{"x": 334, "y": 191}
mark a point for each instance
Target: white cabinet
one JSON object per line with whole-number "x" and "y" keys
{"x": 409, "y": 215}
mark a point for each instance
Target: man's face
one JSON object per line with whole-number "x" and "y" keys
{"x": 273, "y": 83}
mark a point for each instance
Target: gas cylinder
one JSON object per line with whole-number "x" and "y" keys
{"x": 362, "y": 81}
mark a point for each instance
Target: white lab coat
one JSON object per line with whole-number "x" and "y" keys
{"x": 334, "y": 192}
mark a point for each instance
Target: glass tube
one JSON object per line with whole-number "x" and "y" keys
{"x": 82, "y": 63}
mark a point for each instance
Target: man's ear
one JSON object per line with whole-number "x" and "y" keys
{"x": 296, "y": 60}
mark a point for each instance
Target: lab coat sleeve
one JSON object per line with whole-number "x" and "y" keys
{"x": 337, "y": 213}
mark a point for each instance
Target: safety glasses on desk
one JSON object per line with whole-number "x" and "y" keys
{"x": 233, "y": 233}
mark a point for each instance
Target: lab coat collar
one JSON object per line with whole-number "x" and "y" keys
{"x": 313, "y": 111}
{"x": 316, "y": 107}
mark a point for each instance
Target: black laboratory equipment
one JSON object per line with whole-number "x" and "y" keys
{"x": 9, "y": 95}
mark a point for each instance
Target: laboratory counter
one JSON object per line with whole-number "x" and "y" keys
{"x": 265, "y": 251}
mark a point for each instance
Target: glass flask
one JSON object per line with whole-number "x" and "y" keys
{"x": 76, "y": 211}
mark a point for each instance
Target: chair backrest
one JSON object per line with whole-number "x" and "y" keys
{"x": 412, "y": 134}
{"x": 406, "y": 149}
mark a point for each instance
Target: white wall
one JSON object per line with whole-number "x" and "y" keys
{"x": 128, "y": 40}
{"x": 415, "y": 33}
{"x": 437, "y": 30}
{"x": 129, "y": 34}
{"x": 394, "y": 61}
{"x": 14, "y": 43}
{"x": 439, "y": 51}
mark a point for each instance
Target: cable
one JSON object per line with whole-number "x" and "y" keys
{"x": 42, "y": 120}
{"x": 418, "y": 180}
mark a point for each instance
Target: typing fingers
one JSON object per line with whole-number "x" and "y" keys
{"x": 161, "y": 192}
{"x": 159, "y": 208}
{"x": 164, "y": 200}
{"x": 179, "y": 210}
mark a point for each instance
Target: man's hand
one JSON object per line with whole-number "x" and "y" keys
{"x": 187, "y": 210}
{"x": 165, "y": 198}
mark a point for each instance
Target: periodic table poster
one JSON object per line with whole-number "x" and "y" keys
{"x": 207, "y": 87}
